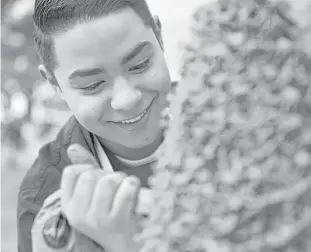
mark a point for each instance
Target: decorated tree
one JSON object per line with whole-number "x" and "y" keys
{"x": 234, "y": 172}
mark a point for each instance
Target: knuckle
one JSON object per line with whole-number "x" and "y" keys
{"x": 132, "y": 182}
{"x": 129, "y": 188}
{"x": 86, "y": 177}
{"x": 128, "y": 195}
{"x": 69, "y": 171}
{"x": 76, "y": 169}
{"x": 107, "y": 182}
{"x": 101, "y": 187}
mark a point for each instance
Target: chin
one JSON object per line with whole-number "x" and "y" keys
{"x": 151, "y": 140}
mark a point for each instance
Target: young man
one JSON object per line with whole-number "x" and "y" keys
{"x": 106, "y": 60}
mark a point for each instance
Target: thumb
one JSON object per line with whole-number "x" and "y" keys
{"x": 79, "y": 155}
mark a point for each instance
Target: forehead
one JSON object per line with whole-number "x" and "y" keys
{"x": 101, "y": 41}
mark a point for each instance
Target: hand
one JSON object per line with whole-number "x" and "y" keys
{"x": 100, "y": 205}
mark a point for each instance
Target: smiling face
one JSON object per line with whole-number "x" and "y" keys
{"x": 114, "y": 78}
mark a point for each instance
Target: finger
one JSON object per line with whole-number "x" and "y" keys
{"x": 105, "y": 192}
{"x": 83, "y": 193}
{"x": 69, "y": 179}
{"x": 145, "y": 200}
{"x": 125, "y": 201}
{"x": 79, "y": 155}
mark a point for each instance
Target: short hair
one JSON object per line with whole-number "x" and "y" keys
{"x": 53, "y": 16}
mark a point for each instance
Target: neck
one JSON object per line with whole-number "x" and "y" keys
{"x": 132, "y": 153}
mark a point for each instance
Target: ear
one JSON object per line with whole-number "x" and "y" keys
{"x": 46, "y": 75}
{"x": 158, "y": 30}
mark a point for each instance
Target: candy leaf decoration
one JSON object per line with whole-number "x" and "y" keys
{"x": 234, "y": 170}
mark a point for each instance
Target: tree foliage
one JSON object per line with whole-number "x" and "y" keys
{"x": 234, "y": 170}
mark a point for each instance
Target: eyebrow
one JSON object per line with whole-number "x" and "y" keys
{"x": 85, "y": 72}
{"x": 137, "y": 49}
{"x": 95, "y": 71}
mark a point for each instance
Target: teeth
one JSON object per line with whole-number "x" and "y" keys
{"x": 135, "y": 119}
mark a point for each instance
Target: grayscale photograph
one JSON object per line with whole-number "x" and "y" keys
{"x": 156, "y": 126}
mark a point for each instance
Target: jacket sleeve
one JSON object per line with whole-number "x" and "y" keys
{"x": 26, "y": 211}
{"x": 36, "y": 186}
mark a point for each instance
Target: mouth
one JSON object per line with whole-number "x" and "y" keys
{"x": 136, "y": 119}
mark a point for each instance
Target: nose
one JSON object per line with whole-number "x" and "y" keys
{"x": 124, "y": 95}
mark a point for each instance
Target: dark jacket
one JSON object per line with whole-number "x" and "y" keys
{"x": 43, "y": 178}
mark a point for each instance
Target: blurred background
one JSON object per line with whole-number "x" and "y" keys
{"x": 31, "y": 112}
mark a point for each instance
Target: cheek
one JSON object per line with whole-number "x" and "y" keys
{"x": 87, "y": 113}
{"x": 160, "y": 77}
{"x": 86, "y": 109}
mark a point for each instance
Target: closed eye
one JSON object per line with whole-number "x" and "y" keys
{"x": 93, "y": 86}
{"x": 141, "y": 66}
